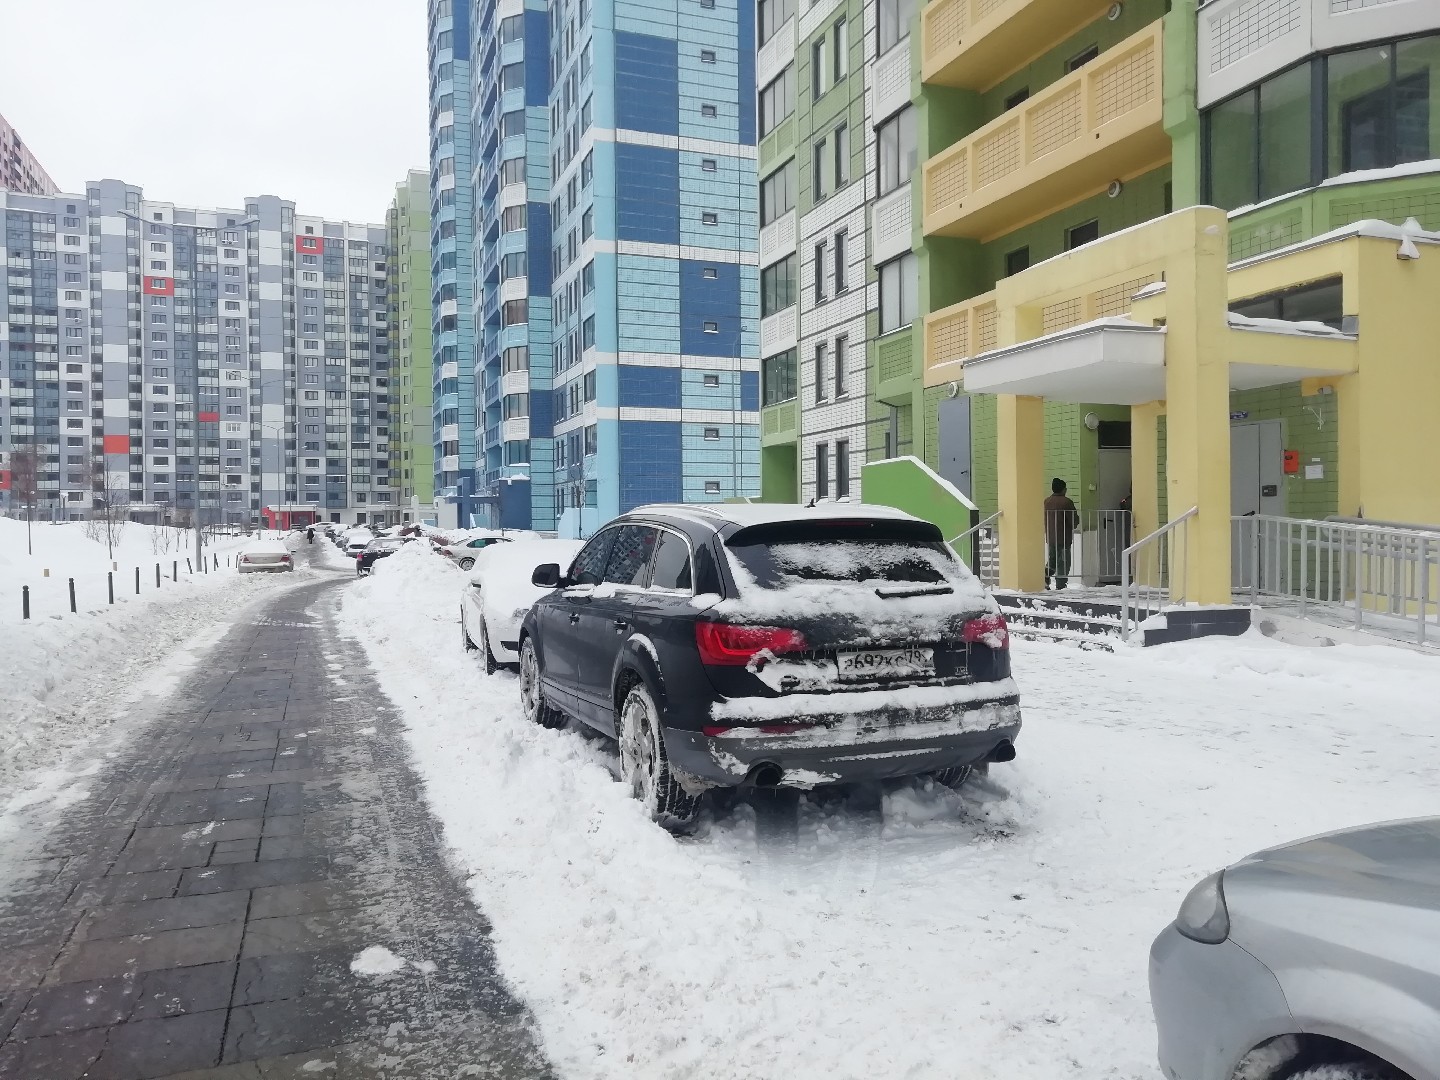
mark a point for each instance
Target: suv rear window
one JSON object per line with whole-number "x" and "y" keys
{"x": 894, "y": 552}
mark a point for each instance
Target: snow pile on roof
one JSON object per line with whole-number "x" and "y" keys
{"x": 747, "y": 514}
{"x": 1302, "y": 328}
{"x": 895, "y": 931}
{"x": 1410, "y": 168}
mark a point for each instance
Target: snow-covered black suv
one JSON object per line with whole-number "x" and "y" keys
{"x": 771, "y": 645}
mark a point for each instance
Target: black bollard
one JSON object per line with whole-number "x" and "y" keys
{"x": 157, "y": 575}
{"x": 110, "y": 584}
{"x": 72, "y": 596}
{"x": 137, "y": 581}
{"x": 25, "y": 601}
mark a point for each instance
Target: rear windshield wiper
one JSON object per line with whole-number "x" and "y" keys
{"x": 890, "y": 592}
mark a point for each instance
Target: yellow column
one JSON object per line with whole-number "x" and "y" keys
{"x": 1020, "y": 470}
{"x": 1145, "y": 468}
{"x": 1197, "y": 406}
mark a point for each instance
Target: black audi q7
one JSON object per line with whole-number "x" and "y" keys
{"x": 770, "y": 645}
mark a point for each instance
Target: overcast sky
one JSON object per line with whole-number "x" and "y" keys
{"x": 324, "y": 101}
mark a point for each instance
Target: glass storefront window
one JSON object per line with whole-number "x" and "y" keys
{"x": 1417, "y": 77}
{"x": 1358, "y": 85}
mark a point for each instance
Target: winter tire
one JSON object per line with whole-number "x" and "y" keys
{"x": 465, "y": 642}
{"x": 532, "y": 694}
{"x": 467, "y": 563}
{"x": 954, "y": 776}
{"x": 644, "y": 766}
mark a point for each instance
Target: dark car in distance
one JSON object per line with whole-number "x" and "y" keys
{"x": 764, "y": 645}
{"x": 379, "y": 549}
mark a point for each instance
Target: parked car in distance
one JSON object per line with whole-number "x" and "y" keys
{"x": 264, "y": 555}
{"x": 771, "y": 645}
{"x": 500, "y": 594}
{"x": 356, "y": 541}
{"x": 1316, "y": 960}
{"x": 462, "y": 550}
{"x": 378, "y": 548}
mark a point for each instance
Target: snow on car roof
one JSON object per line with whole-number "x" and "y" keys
{"x": 265, "y": 545}
{"x": 747, "y": 514}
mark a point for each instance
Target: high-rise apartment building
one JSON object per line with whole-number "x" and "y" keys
{"x": 412, "y": 427}
{"x": 820, "y": 104}
{"x": 515, "y": 479}
{"x": 452, "y": 233}
{"x": 19, "y": 171}
{"x": 655, "y": 313}
{"x": 234, "y": 362}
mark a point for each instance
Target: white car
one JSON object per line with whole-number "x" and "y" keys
{"x": 463, "y": 549}
{"x": 500, "y": 595}
{"x": 264, "y": 555}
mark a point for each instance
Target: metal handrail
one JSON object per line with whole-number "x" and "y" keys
{"x": 1127, "y": 584}
{"x": 974, "y": 534}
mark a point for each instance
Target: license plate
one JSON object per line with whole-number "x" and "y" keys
{"x": 886, "y": 663}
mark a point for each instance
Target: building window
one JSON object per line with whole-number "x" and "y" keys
{"x": 817, "y": 170}
{"x": 840, "y": 243}
{"x": 818, "y": 269}
{"x": 708, "y": 164}
{"x": 777, "y": 193}
{"x": 1079, "y": 235}
{"x": 1019, "y": 97}
{"x": 899, "y": 289}
{"x": 842, "y": 468}
{"x": 710, "y": 273}
{"x": 822, "y": 470}
{"x": 1017, "y": 261}
{"x": 712, "y": 328}
{"x": 777, "y": 378}
{"x": 818, "y": 83}
{"x": 842, "y": 155}
{"x": 1080, "y": 59}
{"x": 707, "y": 56}
{"x": 712, "y": 487}
{"x": 773, "y": 15}
{"x": 895, "y": 145}
{"x": 1369, "y": 108}
{"x": 777, "y": 100}
{"x": 712, "y": 434}
{"x": 708, "y": 111}
{"x": 820, "y": 384}
{"x": 894, "y": 19}
{"x": 842, "y": 357}
{"x": 840, "y": 54}
{"x": 777, "y": 286}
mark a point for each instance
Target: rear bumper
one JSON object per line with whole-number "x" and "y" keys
{"x": 255, "y": 568}
{"x": 876, "y": 745}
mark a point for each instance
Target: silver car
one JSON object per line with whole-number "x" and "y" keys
{"x": 1318, "y": 960}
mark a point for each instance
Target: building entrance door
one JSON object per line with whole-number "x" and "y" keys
{"x": 954, "y": 425}
{"x": 1257, "y": 486}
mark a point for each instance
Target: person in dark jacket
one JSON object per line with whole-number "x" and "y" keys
{"x": 1061, "y": 519}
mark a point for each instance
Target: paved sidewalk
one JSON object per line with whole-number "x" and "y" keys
{"x": 197, "y": 915}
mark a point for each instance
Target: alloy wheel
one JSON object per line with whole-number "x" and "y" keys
{"x": 637, "y": 750}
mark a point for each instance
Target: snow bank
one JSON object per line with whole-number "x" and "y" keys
{"x": 63, "y": 671}
{"x": 902, "y": 931}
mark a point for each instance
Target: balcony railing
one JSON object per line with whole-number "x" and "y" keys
{"x": 973, "y": 44}
{"x": 1098, "y": 124}
{"x": 956, "y": 333}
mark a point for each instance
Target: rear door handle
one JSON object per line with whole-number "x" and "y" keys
{"x": 574, "y": 618}
{"x": 621, "y": 624}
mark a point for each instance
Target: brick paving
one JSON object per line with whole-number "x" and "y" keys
{"x": 196, "y": 916}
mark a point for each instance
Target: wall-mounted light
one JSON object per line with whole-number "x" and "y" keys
{"x": 1092, "y": 421}
{"x": 1116, "y": 10}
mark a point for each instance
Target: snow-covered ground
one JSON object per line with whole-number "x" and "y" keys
{"x": 67, "y": 676}
{"x": 903, "y": 933}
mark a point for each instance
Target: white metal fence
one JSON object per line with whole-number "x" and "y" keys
{"x": 1152, "y": 573}
{"x": 1379, "y": 577}
{"x": 979, "y": 546}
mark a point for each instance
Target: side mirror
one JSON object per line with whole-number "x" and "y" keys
{"x": 546, "y": 576}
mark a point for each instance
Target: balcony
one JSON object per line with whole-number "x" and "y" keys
{"x": 956, "y": 333}
{"x": 973, "y": 44}
{"x": 1098, "y": 124}
{"x": 780, "y": 423}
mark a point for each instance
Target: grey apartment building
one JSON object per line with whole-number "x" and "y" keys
{"x": 19, "y": 171}
{"x": 167, "y": 359}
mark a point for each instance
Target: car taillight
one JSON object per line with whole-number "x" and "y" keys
{"x": 735, "y": 646}
{"x": 446, "y": 551}
{"x": 244, "y": 558}
{"x": 284, "y": 558}
{"x": 987, "y": 630}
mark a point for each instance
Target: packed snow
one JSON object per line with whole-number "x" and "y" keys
{"x": 901, "y": 930}
{"x": 70, "y": 675}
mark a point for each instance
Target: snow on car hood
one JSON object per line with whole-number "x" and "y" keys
{"x": 503, "y": 572}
